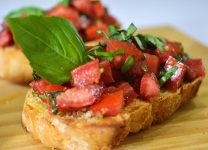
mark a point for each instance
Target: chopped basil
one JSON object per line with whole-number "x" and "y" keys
{"x": 140, "y": 43}
{"x": 128, "y": 64}
{"x": 131, "y": 29}
{"x": 167, "y": 75}
{"x": 185, "y": 56}
{"x": 178, "y": 57}
{"x": 35, "y": 76}
{"x": 162, "y": 72}
{"x": 102, "y": 32}
{"x": 52, "y": 97}
{"x": 144, "y": 68}
{"x": 112, "y": 29}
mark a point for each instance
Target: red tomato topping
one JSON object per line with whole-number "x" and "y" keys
{"x": 106, "y": 76}
{"x": 172, "y": 49}
{"x": 91, "y": 31}
{"x": 84, "y": 6}
{"x": 78, "y": 97}
{"x": 98, "y": 9}
{"x": 42, "y": 86}
{"x": 149, "y": 86}
{"x": 195, "y": 69}
{"x": 66, "y": 12}
{"x": 128, "y": 91}
{"x": 86, "y": 74}
{"x": 151, "y": 62}
{"x": 175, "y": 81}
{"x": 6, "y": 38}
{"x": 129, "y": 48}
{"x": 110, "y": 104}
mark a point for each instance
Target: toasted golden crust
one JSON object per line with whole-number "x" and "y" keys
{"x": 14, "y": 66}
{"x": 92, "y": 133}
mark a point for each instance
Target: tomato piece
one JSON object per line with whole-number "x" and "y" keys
{"x": 128, "y": 91}
{"x": 195, "y": 69}
{"x": 106, "y": 76}
{"x": 110, "y": 104}
{"x": 78, "y": 97}
{"x": 173, "y": 48}
{"x": 6, "y": 38}
{"x": 91, "y": 31}
{"x": 129, "y": 48}
{"x": 86, "y": 74}
{"x": 42, "y": 86}
{"x": 149, "y": 86}
{"x": 117, "y": 75}
{"x": 98, "y": 9}
{"x": 66, "y": 12}
{"x": 151, "y": 62}
{"x": 110, "y": 20}
{"x": 84, "y": 6}
{"x": 136, "y": 85}
{"x": 175, "y": 81}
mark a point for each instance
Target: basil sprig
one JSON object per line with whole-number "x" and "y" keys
{"x": 25, "y": 11}
{"x": 52, "y": 45}
{"x": 167, "y": 75}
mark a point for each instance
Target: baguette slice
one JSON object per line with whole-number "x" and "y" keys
{"x": 93, "y": 133}
{"x": 14, "y": 65}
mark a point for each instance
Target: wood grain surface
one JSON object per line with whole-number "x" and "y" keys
{"x": 187, "y": 129}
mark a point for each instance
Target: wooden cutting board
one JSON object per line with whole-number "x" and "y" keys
{"x": 187, "y": 129}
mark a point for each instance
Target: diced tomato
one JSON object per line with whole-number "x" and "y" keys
{"x": 136, "y": 85}
{"x": 149, "y": 86}
{"x": 6, "y": 38}
{"x": 195, "y": 69}
{"x": 175, "y": 81}
{"x": 173, "y": 48}
{"x": 86, "y": 74}
{"x": 42, "y": 86}
{"x": 110, "y": 20}
{"x": 66, "y": 12}
{"x": 91, "y": 31}
{"x": 110, "y": 104}
{"x": 98, "y": 9}
{"x": 84, "y": 6}
{"x": 110, "y": 89}
{"x": 106, "y": 76}
{"x": 151, "y": 62}
{"x": 129, "y": 48}
{"x": 78, "y": 97}
{"x": 117, "y": 75}
{"x": 128, "y": 91}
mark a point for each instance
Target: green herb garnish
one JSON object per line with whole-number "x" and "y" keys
{"x": 52, "y": 97}
{"x": 167, "y": 75}
{"x": 128, "y": 64}
{"x": 131, "y": 30}
{"x": 35, "y": 76}
{"x": 143, "y": 57}
{"x": 185, "y": 56}
{"x": 25, "y": 11}
{"x": 51, "y": 44}
{"x": 102, "y": 32}
{"x": 65, "y": 2}
{"x": 112, "y": 29}
{"x": 144, "y": 68}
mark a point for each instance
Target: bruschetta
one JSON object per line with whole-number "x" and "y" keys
{"x": 93, "y": 97}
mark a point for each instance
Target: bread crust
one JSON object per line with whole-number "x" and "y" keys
{"x": 14, "y": 65}
{"x": 63, "y": 132}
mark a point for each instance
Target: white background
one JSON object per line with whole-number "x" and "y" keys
{"x": 189, "y": 16}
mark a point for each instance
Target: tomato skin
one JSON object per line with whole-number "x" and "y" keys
{"x": 175, "y": 81}
{"x": 195, "y": 69}
{"x": 110, "y": 104}
{"x": 149, "y": 86}
{"x": 84, "y": 6}
{"x": 6, "y": 38}
{"x": 41, "y": 86}
{"x": 91, "y": 31}
{"x": 86, "y": 74}
{"x": 78, "y": 97}
{"x": 66, "y": 12}
{"x": 129, "y": 48}
{"x": 152, "y": 63}
{"x": 106, "y": 76}
{"x": 128, "y": 91}
{"x": 98, "y": 9}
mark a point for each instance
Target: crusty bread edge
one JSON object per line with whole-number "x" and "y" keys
{"x": 96, "y": 134}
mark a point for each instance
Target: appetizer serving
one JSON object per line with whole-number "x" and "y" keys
{"x": 86, "y": 15}
{"x": 93, "y": 97}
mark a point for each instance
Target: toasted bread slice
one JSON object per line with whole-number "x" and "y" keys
{"x": 14, "y": 65}
{"x": 96, "y": 133}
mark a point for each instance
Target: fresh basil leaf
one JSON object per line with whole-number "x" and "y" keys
{"x": 128, "y": 64}
{"x": 131, "y": 29}
{"x": 25, "y": 10}
{"x": 155, "y": 41}
{"x": 51, "y": 44}
{"x": 112, "y": 29}
{"x": 144, "y": 68}
{"x": 65, "y": 2}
